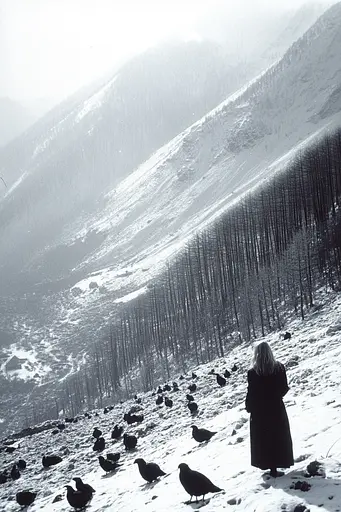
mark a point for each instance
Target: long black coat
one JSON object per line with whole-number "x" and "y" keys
{"x": 271, "y": 445}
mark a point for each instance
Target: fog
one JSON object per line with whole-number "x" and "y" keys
{"x": 50, "y": 48}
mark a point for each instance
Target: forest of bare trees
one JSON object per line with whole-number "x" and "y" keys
{"x": 238, "y": 280}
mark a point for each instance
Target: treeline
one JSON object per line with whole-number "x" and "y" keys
{"x": 237, "y": 280}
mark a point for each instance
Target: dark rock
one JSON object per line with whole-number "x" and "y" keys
{"x": 57, "y": 498}
{"x": 301, "y": 508}
{"x": 314, "y": 468}
{"x": 301, "y": 486}
{"x": 14, "y": 363}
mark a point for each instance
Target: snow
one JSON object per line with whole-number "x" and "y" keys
{"x": 188, "y": 183}
{"x": 131, "y": 296}
{"x": 313, "y": 405}
{"x": 95, "y": 101}
{"x": 16, "y": 184}
{"x": 31, "y": 367}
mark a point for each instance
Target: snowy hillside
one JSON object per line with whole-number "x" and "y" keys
{"x": 87, "y": 226}
{"x": 14, "y": 119}
{"x": 313, "y": 359}
{"x": 190, "y": 181}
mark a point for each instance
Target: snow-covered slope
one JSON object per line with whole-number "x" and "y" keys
{"x": 191, "y": 180}
{"x": 313, "y": 360}
{"x": 15, "y": 118}
{"x": 75, "y": 246}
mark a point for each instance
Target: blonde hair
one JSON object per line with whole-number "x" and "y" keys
{"x": 264, "y": 362}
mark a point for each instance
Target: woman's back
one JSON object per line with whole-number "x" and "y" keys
{"x": 266, "y": 390}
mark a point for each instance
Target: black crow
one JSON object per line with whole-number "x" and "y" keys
{"x": 99, "y": 445}
{"x": 234, "y": 367}
{"x": 15, "y": 473}
{"x": 77, "y": 499}
{"x": 227, "y": 374}
{"x": 159, "y": 400}
{"x": 3, "y": 477}
{"x": 168, "y": 402}
{"x": 221, "y": 381}
{"x": 96, "y": 433}
{"x": 117, "y": 432}
{"x": 21, "y": 464}
{"x": 133, "y": 418}
{"x": 61, "y": 426}
{"x": 149, "y": 471}
{"x": 129, "y": 441}
{"x": 201, "y": 434}
{"x": 287, "y": 336}
{"x": 81, "y": 486}
{"x": 107, "y": 465}
{"x": 25, "y": 498}
{"x": 114, "y": 457}
{"x": 192, "y": 387}
{"x": 192, "y": 406}
{"x": 195, "y": 483}
{"x": 166, "y": 387}
{"x": 159, "y": 390}
{"x": 190, "y": 398}
{"x": 51, "y": 460}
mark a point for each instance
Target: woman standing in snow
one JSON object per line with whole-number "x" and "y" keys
{"x": 271, "y": 445}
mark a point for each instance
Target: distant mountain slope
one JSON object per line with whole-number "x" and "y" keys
{"x": 188, "y": 181}
{"x": 84, "y": 228}
{"x": 289, "y": 28}
{"x": 14, "y": 119}
{"x": 84, "y": 148}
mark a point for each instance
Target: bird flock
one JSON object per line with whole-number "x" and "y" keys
{"x": 194, "y": 483}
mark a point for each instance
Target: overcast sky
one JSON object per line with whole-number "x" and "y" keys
{"x": 50, "y": 48}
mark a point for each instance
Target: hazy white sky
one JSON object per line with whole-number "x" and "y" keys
{"x": 52, "y": 47}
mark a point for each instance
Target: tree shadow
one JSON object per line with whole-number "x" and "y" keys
{"x": 324, "y": 492}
